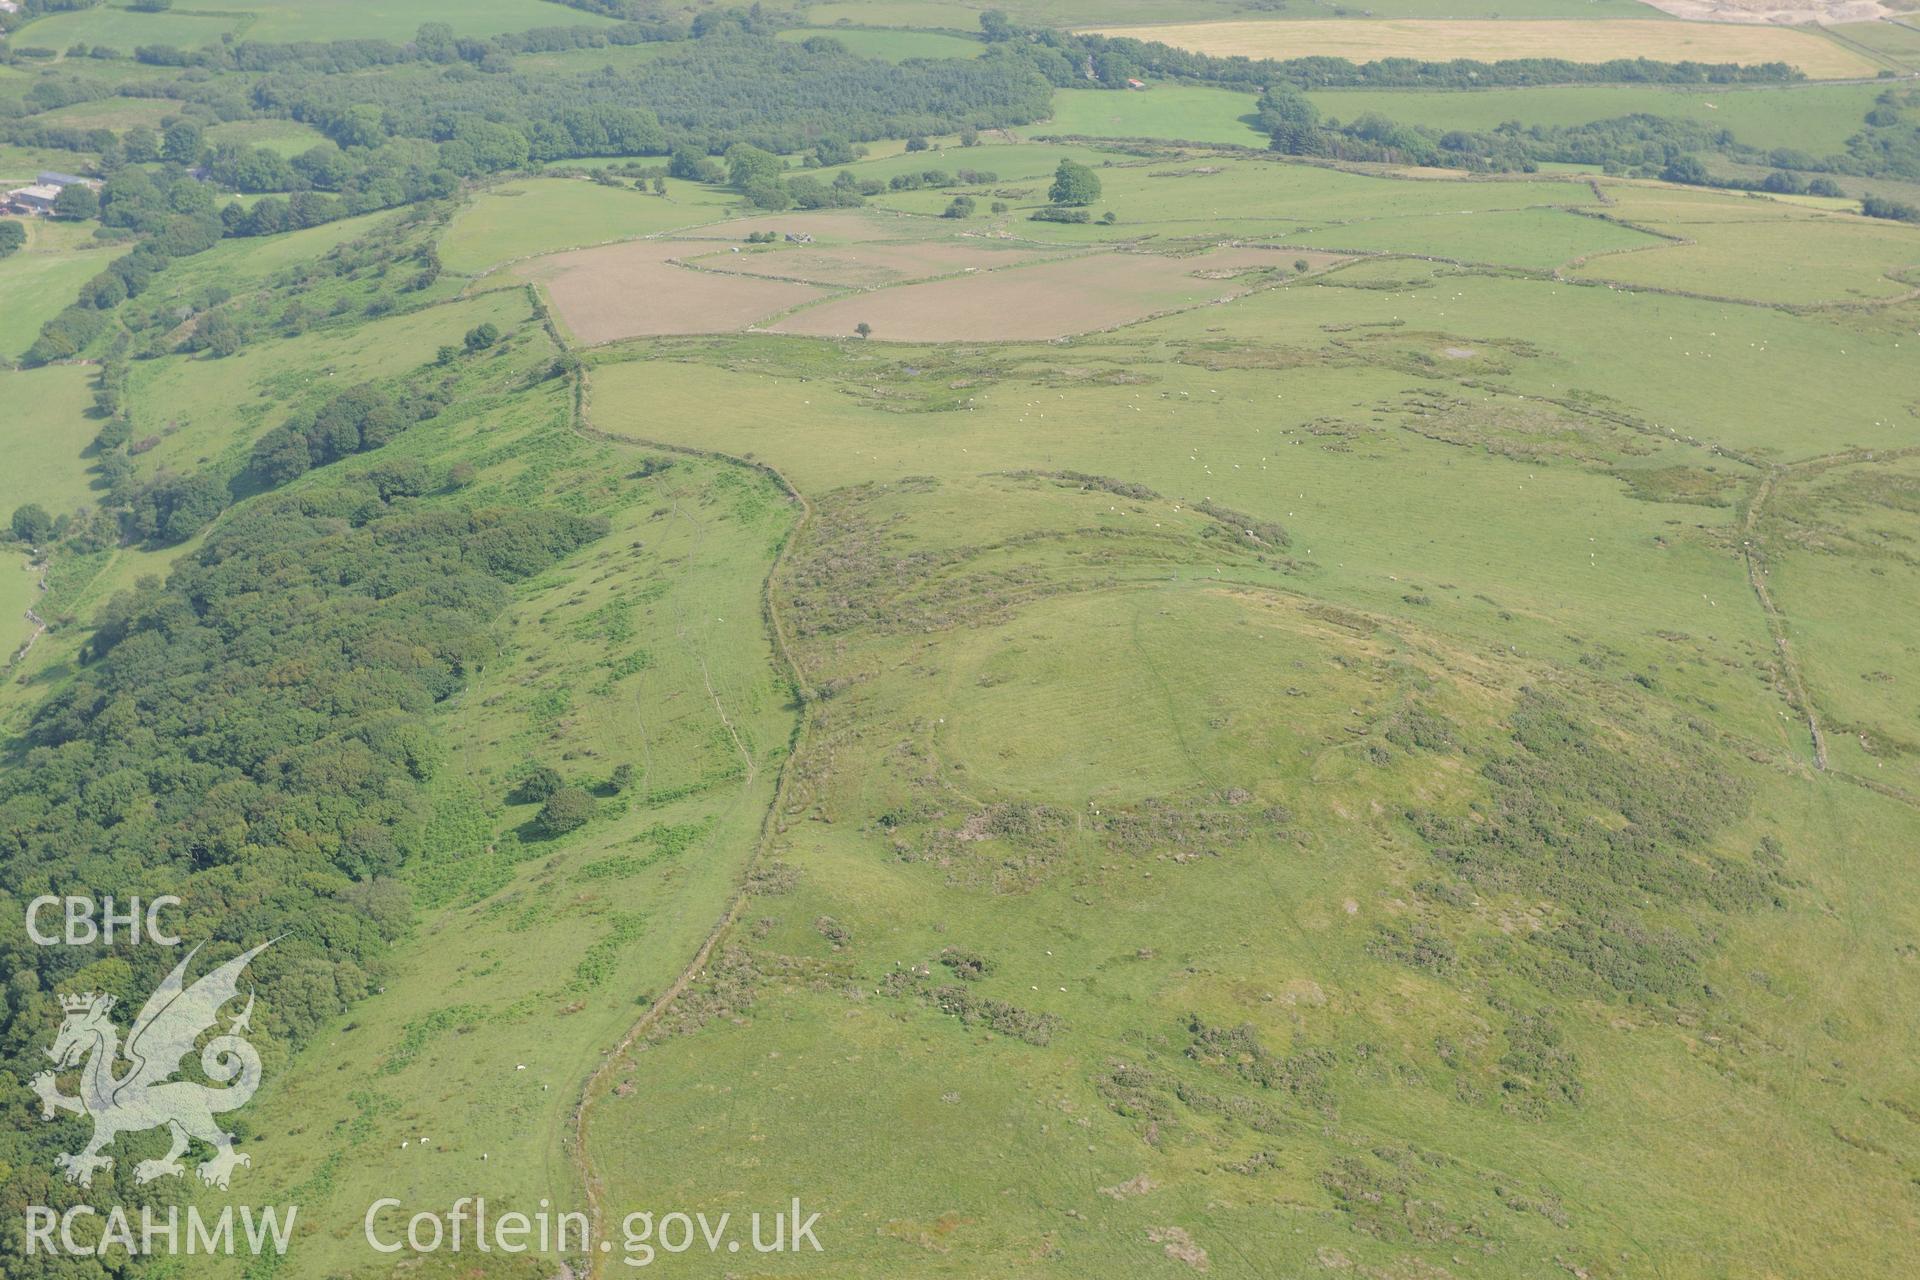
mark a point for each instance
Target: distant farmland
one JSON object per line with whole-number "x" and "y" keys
{"x": 1366, "y": 41}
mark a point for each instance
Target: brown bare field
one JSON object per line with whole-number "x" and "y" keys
{"x": 637, "y": 290}
{"x": 1046, "y": 300}
{"x": 1576, "y": 40}
{"x": 866, "y": 266}
{"x": 845, "y": 227}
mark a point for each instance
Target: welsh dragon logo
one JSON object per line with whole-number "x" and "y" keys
{"x": 164, "y": 1034}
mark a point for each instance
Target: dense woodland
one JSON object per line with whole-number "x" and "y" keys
{"x": 182, "y": 758}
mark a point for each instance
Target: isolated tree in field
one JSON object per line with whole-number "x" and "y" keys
{"x": 959, "y": 207}
{"x": 917, "y": 143}
{"x": 1300, "y": 264}
{"x": 565, "y": 810}
{"x": 864, "y": 329}
{"x": 1074, "y": 184}
{"x": 32, "y": 524}
{"x": 76, "y": 203}
{"x": 482, "y": 336}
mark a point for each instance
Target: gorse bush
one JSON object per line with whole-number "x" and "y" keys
{"x": 1616, "y": 836}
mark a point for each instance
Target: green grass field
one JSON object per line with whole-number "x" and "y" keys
{"x": 1173, "y": 112}
{"x": 1206, "y": 198}
{"x": 522, "y": 219}
{"x": 40, "y": 279}
{"x": 288, "y": 137}
{"x": 48, "y": 465}
{"x": 348, "y": 20}
{"x": 118, "y": 114}
{"x": 48, "y": 460}
{"x": 1814, "y": 118}
{"x": 894, "y": 46}
{"x": 1894, "y": 41}
{"x": 118, "y": 27}
{"x": 576, "y": 61}
{"x": 1536, "y": 238}
{"x": 1776, "y": 253}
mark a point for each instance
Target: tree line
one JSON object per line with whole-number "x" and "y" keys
{"x": 1082, "y": 60}
{"x": 1640, "y": 145}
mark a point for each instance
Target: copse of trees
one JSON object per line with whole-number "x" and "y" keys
{"x": 12, "y": 236}
{"x": 356, "y": 421}
{"x": 1882, "y": 207}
